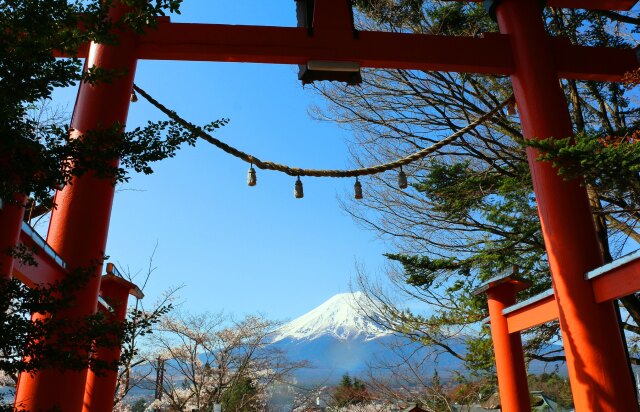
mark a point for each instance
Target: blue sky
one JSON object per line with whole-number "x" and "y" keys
{"x": 237, "y": 248}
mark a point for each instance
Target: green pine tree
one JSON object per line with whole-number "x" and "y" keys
{"x": 470, "y": 212}
{"x": 241, "y": 397}
{"x": 350, "y": 392}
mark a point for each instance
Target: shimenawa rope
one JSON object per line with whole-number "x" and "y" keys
{"x": 295, "y": 171}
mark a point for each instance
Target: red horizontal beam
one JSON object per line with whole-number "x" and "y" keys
{"x": 490, "y": 54}
{"x": 612, "y": 281}
{"x": 291, "y": 45}
{"x": 533, "y": 314}
{"x": 46, "y": 270}
{"x": 621, "y": 5}
{"x": 619, "y": 278}
{"x": 592, "y": 63}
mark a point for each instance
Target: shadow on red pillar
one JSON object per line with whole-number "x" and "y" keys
{"x": 100, "y": 389}
{"x": 10, "y": 226}
{"x": 79, "y": 224}
{"x": 512, "y": 373}
{"x": 600, "y": 378}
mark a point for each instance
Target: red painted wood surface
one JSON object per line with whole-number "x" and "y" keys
{"x": 618, "y": 282}
{"x": 79, "y": 224}
{"x": 290, "y": 45}
{"x": 510, "y": 367}
{"x": 585, "y": 4}
{"x": 532, "y": 315}
{"x": 79, "y": 227}
{"x": 100, "y": 388}
{"x": 10, "y": 228}
{"x": 46, "y": 270}
{"x": 596, "y": 360}
{"x": 490, "y": 54}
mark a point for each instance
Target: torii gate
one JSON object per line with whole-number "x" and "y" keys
{"x": 611, "y": 281}
{"x": 78, "y": 230}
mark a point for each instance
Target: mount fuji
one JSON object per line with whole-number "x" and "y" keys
{"x": 339, "y": 317}
{"x": 337, "y": 338}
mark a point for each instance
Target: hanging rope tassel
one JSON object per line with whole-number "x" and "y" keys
{"x": 298, "y": 191}
{"x": 357, "y": 189}
{"x": 402, "y": 180}
{"x": 252, "y": 179}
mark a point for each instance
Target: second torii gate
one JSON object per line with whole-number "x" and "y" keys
{"x": 522, "y": 50}
{"x": 611, "y": 281}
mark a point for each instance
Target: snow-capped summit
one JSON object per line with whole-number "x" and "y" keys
{"x": 339, "y": 317}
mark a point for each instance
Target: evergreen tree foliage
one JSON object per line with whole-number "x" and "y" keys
{"x": 139, "y": 406}
{"x": 235, "y": 398}
{"x": 350, "y": 391}
{"x": 610, "y": 163}
{"x": 35, "y": 334}
{"x": 35, "y": 157}
{"x": 554, "y": 386}
{"x": 33, "y": 148}
{"x": 470, "y": 212}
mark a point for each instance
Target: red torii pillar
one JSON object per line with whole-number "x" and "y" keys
{"x": 600, "y": 378}
{"x": 100, "y": 388}
{"x": 10, "y": 226}
{"x": 511, "y": 370}
{"x": 78, "y": 228}
{"x": 79, "y": 224}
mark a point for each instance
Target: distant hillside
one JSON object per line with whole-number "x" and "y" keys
{"x": 336, "y": 338}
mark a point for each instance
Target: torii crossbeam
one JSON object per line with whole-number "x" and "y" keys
{"x": 611, "y": 281}
{"x": 522, "y": 50}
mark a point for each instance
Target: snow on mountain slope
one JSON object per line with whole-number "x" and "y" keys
{"x": 338, "y": 317}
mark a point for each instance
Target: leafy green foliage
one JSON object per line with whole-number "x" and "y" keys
{"x": 610, "y": 162}
{"x": 453, "y": 19}
{"x": 396, "y": 12}
{"x": 36, "y": 157}
{"x": 35, "y": 334}
{"x": 43, "y": 161}
{"x": 26, "y": 341}
{"x": 351, "y": 391}
{"x": 470, "y": 214}
{"x": 139, "y": 323}
{"x": 234, "y": 398}
{"x": 554, "y": 386}
{"x": 502, "y": 206}
{"x": 139, "y": 406}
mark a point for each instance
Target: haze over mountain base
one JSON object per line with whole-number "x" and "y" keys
{"x": 337, "y": 338}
